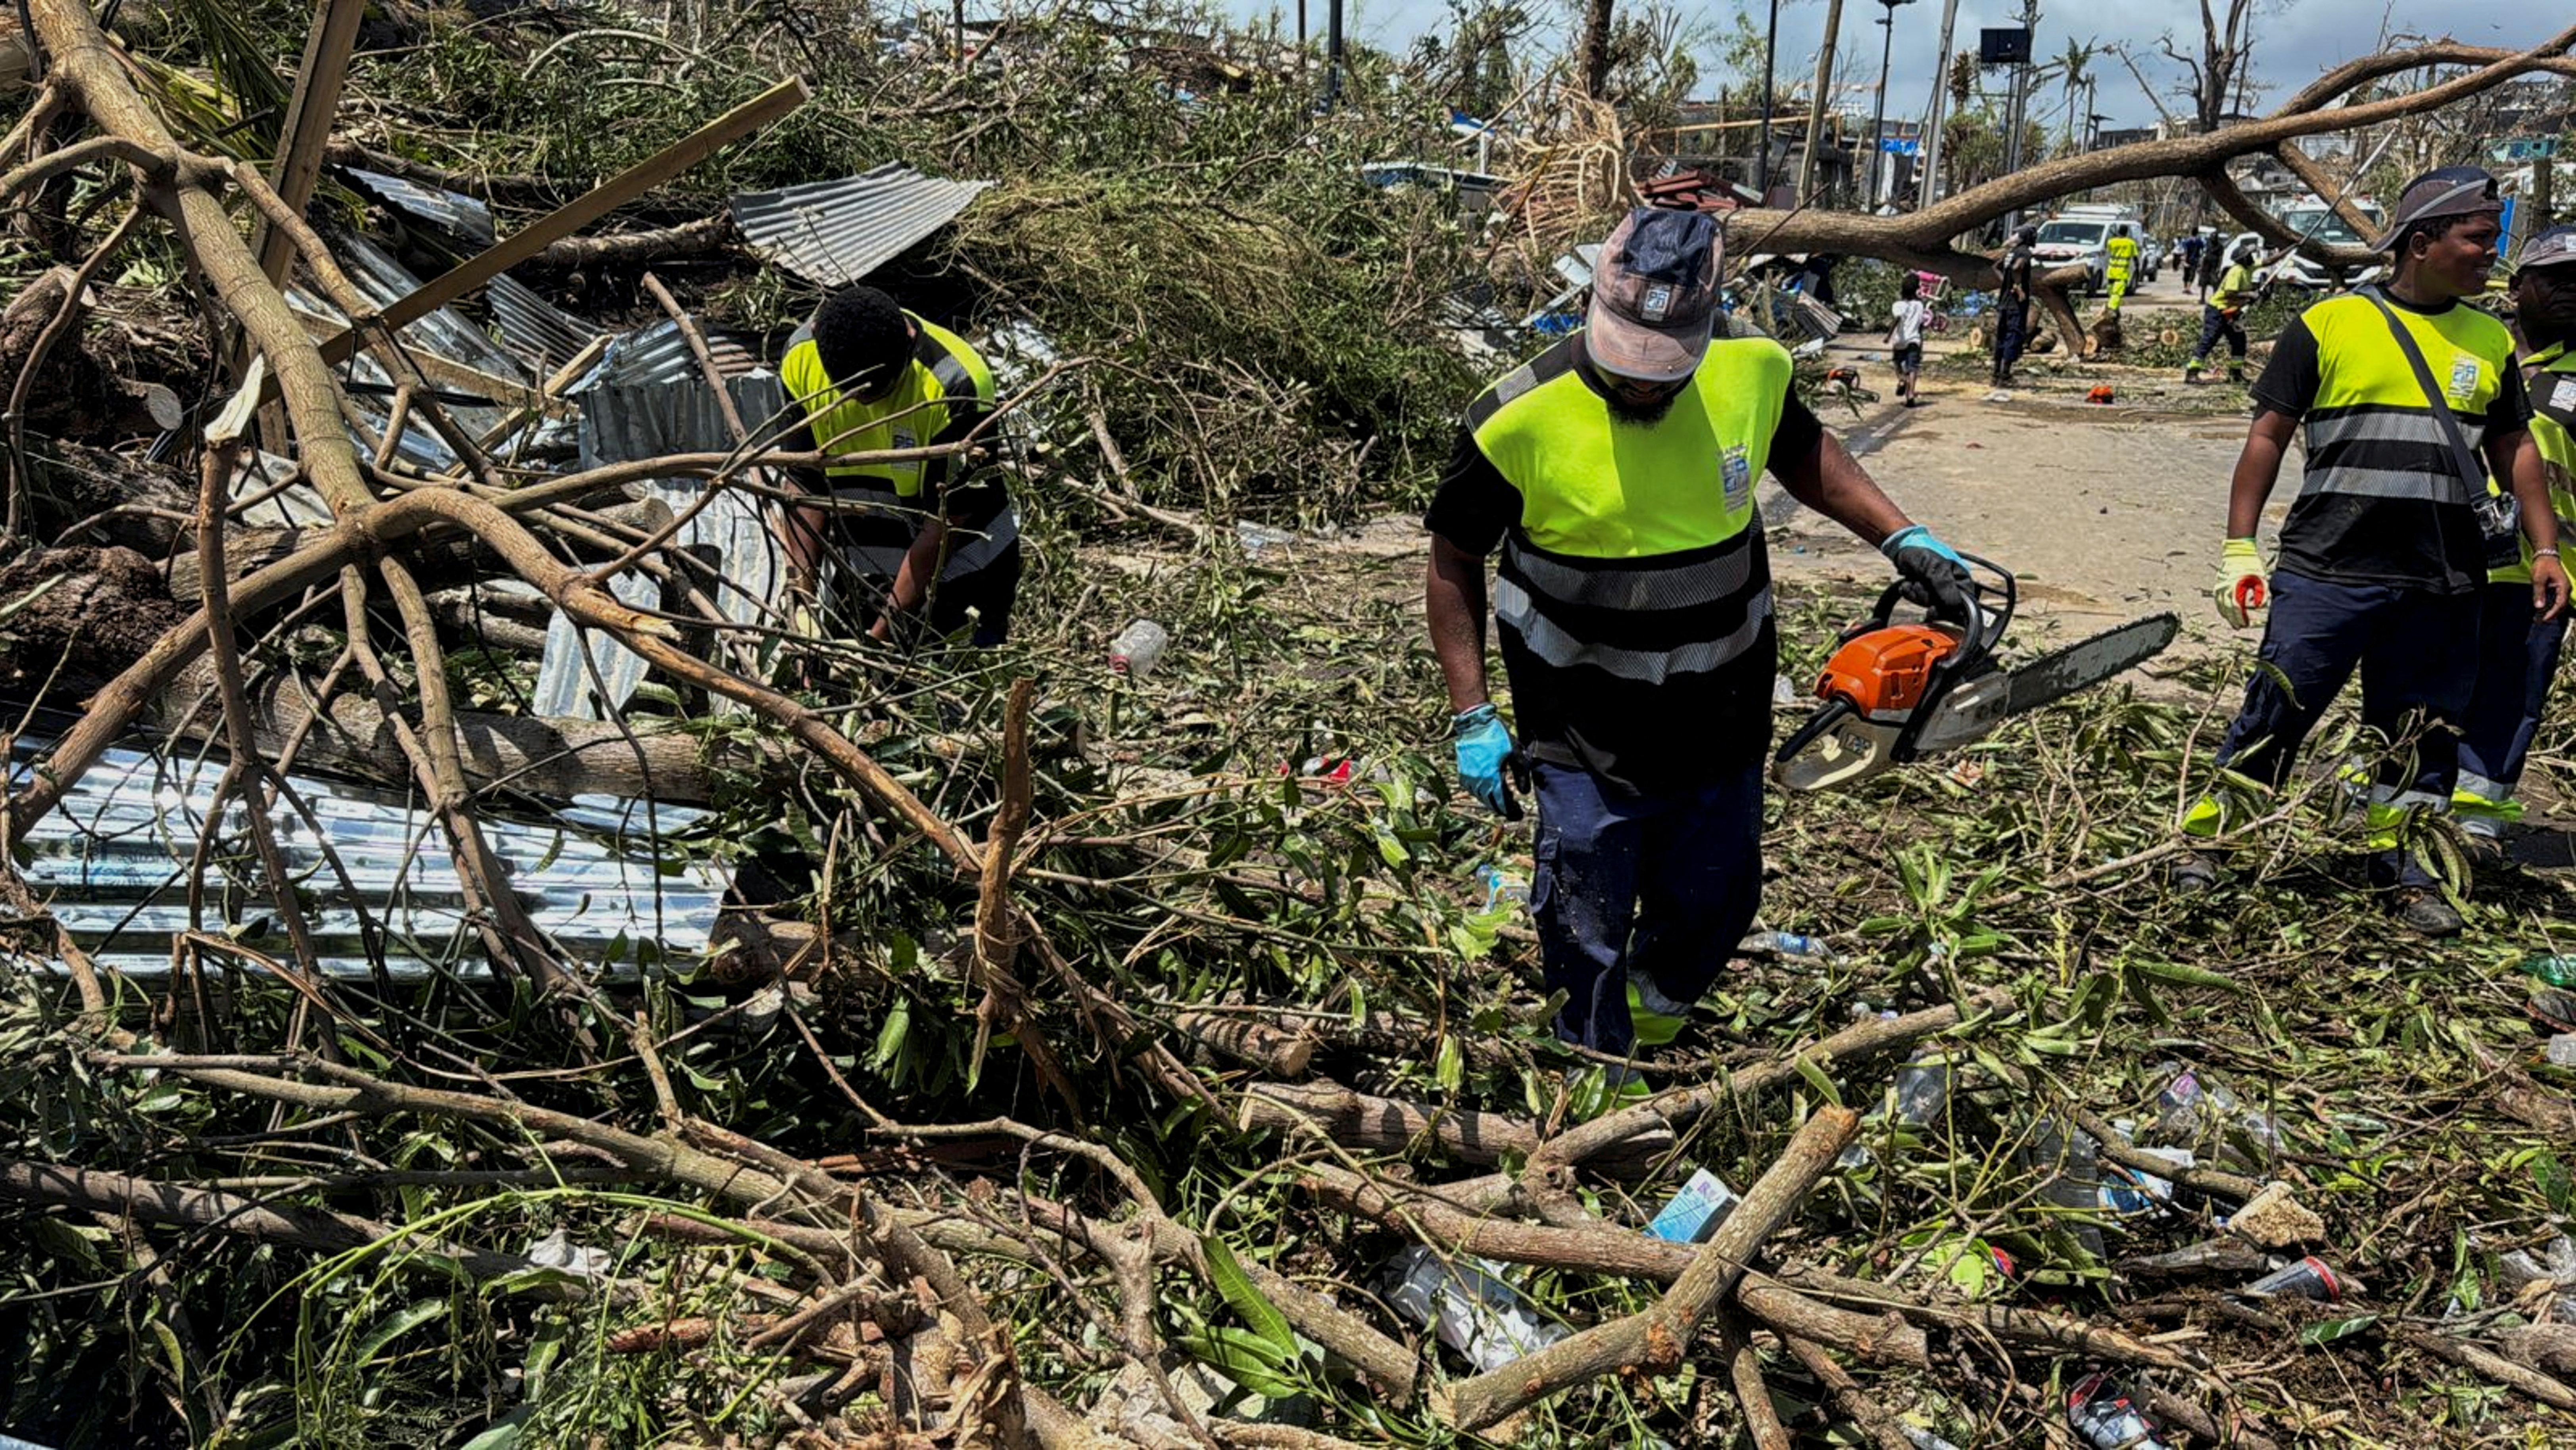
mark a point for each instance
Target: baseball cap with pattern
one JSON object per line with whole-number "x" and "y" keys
{"x": 2445, "y": 191}
{"x": 2555, "y": 247}
{"x": 1654, "y": 295}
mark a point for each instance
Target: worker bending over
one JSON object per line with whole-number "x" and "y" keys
{"x": 2518, "y": 654}
{"x": 925, "y": 539}
{"x": 2387, "y": 548}
{"x": 1616, "y": 472}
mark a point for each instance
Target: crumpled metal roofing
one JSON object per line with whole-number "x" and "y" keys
{"x": 607, "y": 881}
{"x": 648, "y": 398}
{"x": 452, "y": 212}
{"x": 536, "y": 330}
{"x": 836, "y": 232}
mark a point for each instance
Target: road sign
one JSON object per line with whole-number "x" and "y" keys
{"x": 1900, "y": 146}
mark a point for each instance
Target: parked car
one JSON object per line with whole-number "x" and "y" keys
{"x": 2083, "y": 234}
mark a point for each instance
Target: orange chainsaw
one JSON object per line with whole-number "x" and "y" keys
{"x": 1896, "y": 692}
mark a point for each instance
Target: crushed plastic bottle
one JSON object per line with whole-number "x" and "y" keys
{"x": 2103, "y": 1417}
{"x": 2553, "y": 971}
{"x": 2073, "y": 1185}
{"x": 2562, "y": 1050}
{"x": 1138, "y": 648}
{"x": 1789, "y": 944}
{"x": 1503, "y": 886}
{"x": 2128, "y": 1192}
{"x": 1923, "y": 1089}
{"x": 2308, "y": 1278}
{"x": 1922, "y": 1439}
{"x": 1468, "y": 1305}
{"x": 2193, "y": 1108}
{"x": 1695, "y": 1212}
{"x": 2554, "y": 1265}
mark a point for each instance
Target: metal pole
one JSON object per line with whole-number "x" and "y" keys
{"x": 1332, "y": 54}
{"x": 1930, "y": 188}
{"x": 1762, "y": 146}
{"x": 1878, "y": 118}
{"x": 2019, "y": 107}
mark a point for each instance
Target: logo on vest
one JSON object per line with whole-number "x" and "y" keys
{"x": 2464, "y": 379}
{"x": 1739, "y": 478}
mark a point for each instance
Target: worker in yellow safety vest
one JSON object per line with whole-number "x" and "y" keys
{"x": 2385, "y": 553}
{"x": 1616, "y": 473}
{"x": 2222, "y": 316}
{"x": 2120, "y": 263}
{"x": 2518, "y": 655}
{"x": 920, "y": 539}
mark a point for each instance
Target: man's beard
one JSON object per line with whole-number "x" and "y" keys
{"x": 1640, "y": 415}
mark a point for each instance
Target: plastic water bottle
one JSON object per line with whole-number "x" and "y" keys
{"x": 1138, "y": 648}
{"x": 2192, "y": 1107}
{"x": 1791, "y": 944}
{"x": 2104, "y": 1418}
{"x": 1470, "y": 1307}
{"x": 1503, "y": 886}
{"x": 2556, "y": 971}
{"x": 1923, "y": 1090}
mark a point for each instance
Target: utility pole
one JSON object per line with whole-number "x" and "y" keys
{"x": 1816, "y": 102}
{"x": 1878, "y": 122}
{"x": 1332, "y": 54}
{"x": 2020, "y": 99}
{"x": 1939, "y": 115}
{"x": 1762, "y": 146}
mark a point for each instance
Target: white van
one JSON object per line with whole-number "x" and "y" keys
{"x": 2083, "y": 234}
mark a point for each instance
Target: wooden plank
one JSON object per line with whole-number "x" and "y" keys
{"x": 327, "y": 47}
{"x": 779, "y": 100}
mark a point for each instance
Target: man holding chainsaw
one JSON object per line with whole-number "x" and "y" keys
{"x": 2410, "y": 400}
{"x": 1616, "y": 473}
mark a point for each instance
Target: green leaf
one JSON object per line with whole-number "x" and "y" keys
{"x": 1817, "y": 1078}
{"x": 890, "y": 1037}
{"x": 1449, "y": 1065}
{"x": 2189, "y": 976}
{"x": 2328, "y": 1331}
{"x": 1247, "y": 1299}
{"x": 397, "y": 1324}
{"x": 1247, "y": 1359}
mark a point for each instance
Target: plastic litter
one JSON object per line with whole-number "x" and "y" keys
{"x": 1138, "y": 648}
{"x": 1504, "y": 886}
{"x": 2308, "y": 1278}
{"x": 1695, "y": 1212}
{"x": 1468, "y": 1305}
{"x": 2103, "y": 1417}
{"x": 2194, "y": 1108}
{"x": 1789, "y": 944}
{"x": 555, "y": 1251}
{"x": 2555, "y": 971}
{"x": 2562, "y": 1050}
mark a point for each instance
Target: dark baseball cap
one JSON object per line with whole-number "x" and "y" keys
{"x": 1654, "y": 295}
{"x": 2446, "y": 191}
{"x": 2555, "y": 247}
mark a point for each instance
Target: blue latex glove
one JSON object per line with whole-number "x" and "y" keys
{"x": 1484, "y": 750}
{"x": 1938, "y": 576}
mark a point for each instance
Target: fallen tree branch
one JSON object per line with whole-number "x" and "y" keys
{"x": 1657, "y": 1338}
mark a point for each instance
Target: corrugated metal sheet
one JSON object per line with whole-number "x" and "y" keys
{"x": 113, "y": 862}
{"x": 836, "y": 232}
{"x": 646, "y": 399}
{"x": 534, "y": 329}
{"x": 452, "y": 212}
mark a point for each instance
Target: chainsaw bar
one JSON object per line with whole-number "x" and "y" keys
{"x": 1979, "y": 705}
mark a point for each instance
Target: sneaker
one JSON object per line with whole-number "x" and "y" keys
{"x": 1658, "y": 1018}
{"x": 2424, "y": 912}
{"x": 2191, "y": 373}
{"x": 2192, "y": 872}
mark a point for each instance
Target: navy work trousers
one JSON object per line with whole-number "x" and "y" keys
{"x": 1663, "y": 885}
{"x": 2517, "y": 658}
{"x": 2417, "y": 653}
{"x": 2012, "y": 328}
{"x": 2217, "y": 326}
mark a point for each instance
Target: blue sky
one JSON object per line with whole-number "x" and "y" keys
{"x": 2294, "y": 40}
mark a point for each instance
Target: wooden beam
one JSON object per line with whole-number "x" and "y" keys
{"x": 327, "y": 47}
{"x": 770, "y": 105}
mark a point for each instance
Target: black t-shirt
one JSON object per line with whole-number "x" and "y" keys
{"x": 2374, "y": 540}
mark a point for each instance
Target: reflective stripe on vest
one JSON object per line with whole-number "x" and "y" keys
{"x": 1516, "y": 610}
{"x": 2370, "y": 431}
